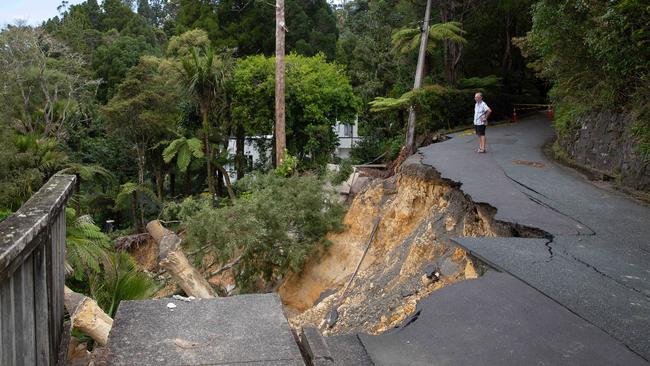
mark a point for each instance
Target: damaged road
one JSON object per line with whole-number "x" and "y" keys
{"x": 594, "y": 259}
{"x": 534, "y": 264}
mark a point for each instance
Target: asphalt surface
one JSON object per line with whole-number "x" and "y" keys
{"x": 596, "y": 260}
{"x": 495, "y": 320}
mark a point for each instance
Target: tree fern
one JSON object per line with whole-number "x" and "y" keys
{"x": 407, "y": 40}
{"x": 407, "y": 99}
{"x": 85, "y": 243}
{"x": 127, "y": 189}
{"x": 183, "y": 149}
{"x": 89, "y": 172}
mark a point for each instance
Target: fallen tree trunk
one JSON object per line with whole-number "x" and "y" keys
{"x": 87, "y": 316}
{"x": 172, "y": 258}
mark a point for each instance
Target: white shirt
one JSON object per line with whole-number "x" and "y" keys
{"x": 480, "y": 109}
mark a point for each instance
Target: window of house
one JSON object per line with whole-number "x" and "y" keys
{"x": 347, "y": 130}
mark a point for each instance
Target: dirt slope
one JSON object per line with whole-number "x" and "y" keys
{"x": 419, "y": 212}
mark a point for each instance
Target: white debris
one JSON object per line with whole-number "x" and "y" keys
{"x": 171, "y": 306}
{"x": 183, "y": 298}
{"x": 230, "y": 287}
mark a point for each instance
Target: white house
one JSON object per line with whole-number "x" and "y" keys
{"x": 348, "y": 135}
{"x": 251, "y": 152}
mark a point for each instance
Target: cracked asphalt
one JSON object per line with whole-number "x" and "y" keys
{"x": 595, "y": 257}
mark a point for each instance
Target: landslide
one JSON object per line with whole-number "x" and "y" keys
{"x": 419, "y": 212}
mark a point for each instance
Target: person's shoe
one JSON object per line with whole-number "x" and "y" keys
{"x": 481, "y": 151}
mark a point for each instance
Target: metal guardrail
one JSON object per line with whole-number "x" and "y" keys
{"x": 32, "y": 256}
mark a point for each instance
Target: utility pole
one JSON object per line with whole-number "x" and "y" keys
{"x": 419, "y": 72}
{"x": 280, "y": 29}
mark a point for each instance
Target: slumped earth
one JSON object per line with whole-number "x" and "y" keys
{"x": 419, "y": 213}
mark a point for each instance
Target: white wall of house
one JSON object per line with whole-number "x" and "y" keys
{"x": 348, "y": 135}
{"x": 250, "y": 152}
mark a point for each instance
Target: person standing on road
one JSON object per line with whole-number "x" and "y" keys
{"x": 481, "y": 114}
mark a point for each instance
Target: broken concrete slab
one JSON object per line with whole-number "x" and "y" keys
{"x": 314, "y": 345}
{"x": 348, "y": 350}
{"x": 245, "y": 329}
{"x": 621, "y": 311}
{"x": 495, "y": 320}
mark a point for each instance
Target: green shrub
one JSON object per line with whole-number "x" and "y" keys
{"x": 184, "y": 210}
{"x": 275, "y": 226}
{"x": 4, "y": 213}
{"x": 345, "y": 169}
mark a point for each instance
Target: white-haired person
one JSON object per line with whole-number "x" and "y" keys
{"x": 481, "y": 114}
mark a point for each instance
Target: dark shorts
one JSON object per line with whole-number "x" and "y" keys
{"x": 480, "y": 130}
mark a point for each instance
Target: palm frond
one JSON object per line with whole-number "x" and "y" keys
{"x": 121, "y": 280}
{"x": 407, "y": 40}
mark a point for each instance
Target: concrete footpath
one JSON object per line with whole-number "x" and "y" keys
{"x": 593, "y": 259}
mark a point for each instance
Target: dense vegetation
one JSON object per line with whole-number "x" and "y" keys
{"x": 139, "y": 99}
{"x": 608, "y": 67}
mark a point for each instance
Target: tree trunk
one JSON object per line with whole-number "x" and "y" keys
{"x": 160, "y": 183}
{"x": 188, "y": 183}
{"x": 134, "y": 210}
{"x": 172, "y": 184}
{"x": 240, "y": 159}
{"x": 172, "y": 258}
{"x": 280, "y": 137}
{"x": 225, "y": 176}
{"x": 141, "y": 165}
{"x": 219, "y": 183}
{"x": 87, "y": 316}
{"x": 506, "y": 63}
{"x": 419, "y": 72}
{"x": 141, "y": 201}
{"x": 208, "y": 151}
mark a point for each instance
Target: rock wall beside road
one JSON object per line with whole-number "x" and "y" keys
{"x": 604, "y": 142}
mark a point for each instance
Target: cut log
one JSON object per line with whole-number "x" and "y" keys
{"x": 87, "y": 316}
{"x": 172, "y": 258}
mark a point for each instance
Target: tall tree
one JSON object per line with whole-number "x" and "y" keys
{"x": 419, "y": 71}
{"x": 142, "y": 111}
{"x": 406, "y": 40}
{"x": 454, "y": 11}
{"x": 280, "y": 137}
{"x": 204, "y": 76}
{"x": 318, "y": 93}
{"x": 248, "y": 25}
{"x": 43, "y": 85}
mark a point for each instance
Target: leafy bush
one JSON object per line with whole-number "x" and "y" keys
{"x": 183, "y": 211}
{"x": 609, "y": 64}
{"x": 345, "y": 169}
{"x": 288, "y": 166}
{"x": 274, "y": 226}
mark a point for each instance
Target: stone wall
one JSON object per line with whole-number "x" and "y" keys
{"x": 604, "y": 142}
